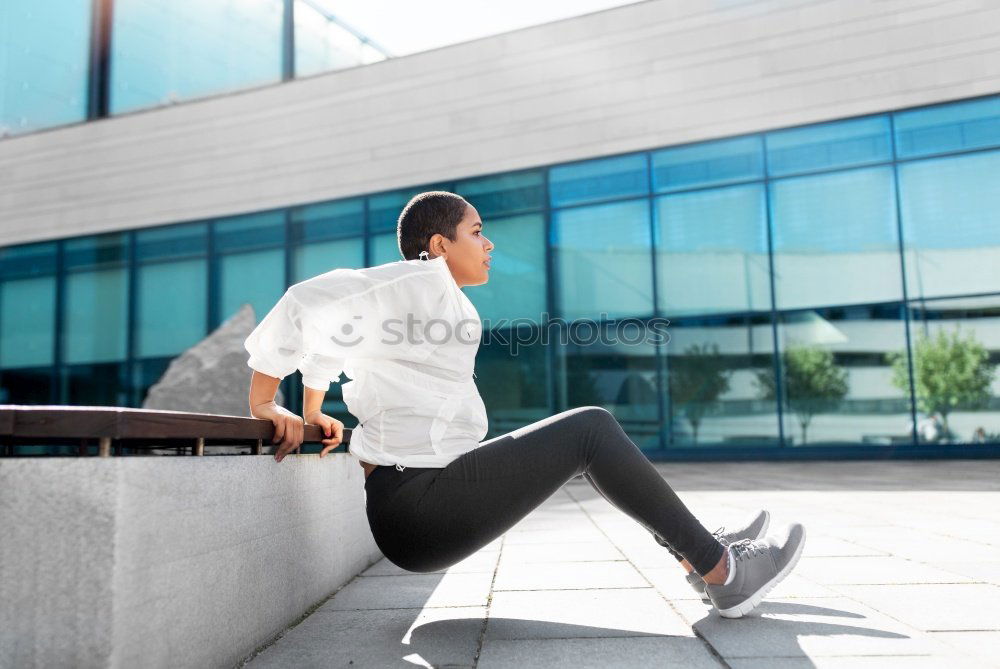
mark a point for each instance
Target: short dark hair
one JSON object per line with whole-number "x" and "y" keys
{"x": 428, "y": 213}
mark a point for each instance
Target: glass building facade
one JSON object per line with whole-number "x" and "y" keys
{"x": 67, "y": 61}
{"x": 827, "y": 289}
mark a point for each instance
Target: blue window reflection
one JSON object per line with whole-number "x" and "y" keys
{"x": 43, "y": 63}
{"x": 708, "y": 164}
{"x": 27, "y": 305}
{"x": 596, "y": 180}
{"x": 825, "y": 146}
{"x": 227, "y": 44}
{"x": 251, "y": 262}
{"x": 602, "y": 258}
{"x": 504, "y": 194}
{"x": 951, "y": 224}
{"x": 516, "y": 289}
{"x": 712, "y": 251}
{"x": 835, "y": 239}
{"x": 327, "y": 236}
{"x": 960, "y": 126}
{"x": 170, "y": 320}
{"x": 95, "y": 322}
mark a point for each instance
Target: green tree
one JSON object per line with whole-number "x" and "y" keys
{"x": 813, "y": 383}
{"x": 697, "y": 379}
{"x": 949, "y": 372}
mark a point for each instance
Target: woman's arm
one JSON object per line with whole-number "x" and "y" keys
{"x": 288, "y": 428}
{"x": 312, "y": 400}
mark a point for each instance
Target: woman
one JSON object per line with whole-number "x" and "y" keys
{"x": 407, "y": 336}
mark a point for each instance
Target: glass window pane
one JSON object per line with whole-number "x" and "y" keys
{"x": 250, "y": 231}
{"x": 513, "y": 378}
{"x": 163, "y": 51}
{"x": 170, "y": 321}
{"x": 27, "y": 321}
{"x": 327, "y": 220}
{"x": 319, "y": 257}
{"x": 322, "y": 44}
{"x": 516, "y": 289}
{"x": 613, "y": 365}
{"x": 835, "y": 239}
{"x": 708, "y": 164}
{"x": 504, "y": 194}
{"x": 960, "y": 126}
{"x": 837, "y": 377}
{"x": 257, "y": 277}
{"x": 171, "y": 241}
{"x": 384, "y": 209}
{"x": 96, "y": 318}
{"x": 96, "y": 385}
{"x": 829, "y": 145}
{"x": 599, "y": 180}
{"x": 385, "y": 248}
{"x": 603, "y": 263}
{"x": 712, "y": 251}
{"x": 951, "y": 224}
{"x": 955, "y": 345}
{"x": 711, "y": 366}
{"x": 26, "y": 385}
{"x": 43, "y": 63}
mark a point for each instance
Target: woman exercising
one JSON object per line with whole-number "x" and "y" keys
{"x": 407, "y": 336}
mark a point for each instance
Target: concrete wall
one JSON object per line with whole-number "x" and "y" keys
{"x": 170, "y": 562}
{"x": 640, "y": 76}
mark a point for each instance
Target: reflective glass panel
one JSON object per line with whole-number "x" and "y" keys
{"x": 835, "y": 239}
{"x": 164, "y": 51}
{"x": 711, "y": 364}
{"x": 712, "y": 251}
{"x": 956, "y": 343}
{"x": 596, "y": 180}
{"x": 828, "y": 145}
{"x": 516, "y": 288}
{"x": 708, "y": 164}
{"x": 951, "y": 224}
{"x": 837, "y": 376}
{"x": 960, "y": 126}
{"x": 603, "y": 260}
{"x": 44, "y": 51}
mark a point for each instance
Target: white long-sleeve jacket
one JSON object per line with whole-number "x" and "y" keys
{"x": 406, "y": 336}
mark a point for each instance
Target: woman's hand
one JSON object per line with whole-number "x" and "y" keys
{"x": 331, "y": 427}
{"x": 288, "y": 427}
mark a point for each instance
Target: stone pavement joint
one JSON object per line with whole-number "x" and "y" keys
{"x": 900, "y": 569}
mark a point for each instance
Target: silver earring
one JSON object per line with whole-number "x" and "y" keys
{"x": 423, "y": 255}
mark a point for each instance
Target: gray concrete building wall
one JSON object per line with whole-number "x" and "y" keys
{"x": 651, "y": 74}
{"x": 170, "y": 562}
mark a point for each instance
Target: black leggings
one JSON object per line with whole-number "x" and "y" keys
{"x": 428, "y": 518}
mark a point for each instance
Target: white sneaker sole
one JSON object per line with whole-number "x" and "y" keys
{"x": 754, "y": 600}
{"x": 760, "y": 535}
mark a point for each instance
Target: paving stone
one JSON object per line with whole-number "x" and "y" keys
{"x": 651, "y": 651}
{"x": 928, "y": 606}
{"x": 579, "y": 551}
{"x": 480, "y": 561}
{"x": 902, "y": 662}
{"x": 981, "y": 572}
{"x": 872, "y": 570}
{"x": 442, "y": 637}
{"x": 412, "y": 591}
{"x": 512, "y": 575}
{"x": 547, "y": 614}
{"x": 807, "y": 628}
{"x": 985, "y": 646}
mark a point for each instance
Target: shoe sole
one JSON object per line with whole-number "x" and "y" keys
{"x": 760, "y": 535}
{"x": 754, "y": 600}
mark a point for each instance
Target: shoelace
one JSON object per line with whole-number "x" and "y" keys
{"x": 746, "y": 548}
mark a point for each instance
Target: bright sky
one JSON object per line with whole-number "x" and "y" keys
{"x": 409, "y": 26}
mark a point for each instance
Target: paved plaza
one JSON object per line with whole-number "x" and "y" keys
{"x": 901, "y": 569}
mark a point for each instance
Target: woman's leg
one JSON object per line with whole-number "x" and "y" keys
{"x": 440, "y": 518}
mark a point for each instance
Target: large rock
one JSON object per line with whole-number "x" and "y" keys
{"x": 212, "y": 376}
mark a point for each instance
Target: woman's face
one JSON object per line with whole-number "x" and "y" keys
{"x": 468, "y": 257}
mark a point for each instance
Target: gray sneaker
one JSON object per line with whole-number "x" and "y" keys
{"x": 754, "y": 527}
{"x": 760, "y": 565}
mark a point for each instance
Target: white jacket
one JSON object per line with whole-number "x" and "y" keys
{"x": 406, "y": 336}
